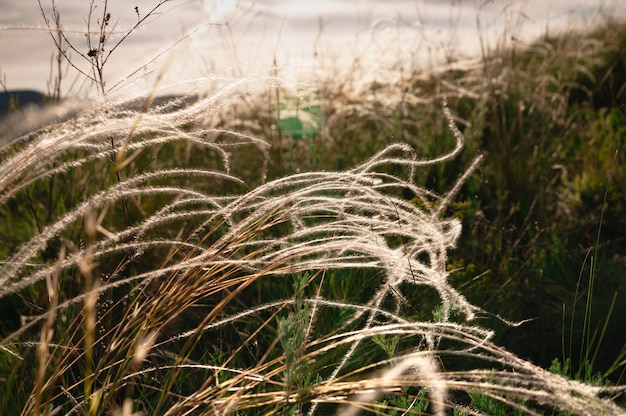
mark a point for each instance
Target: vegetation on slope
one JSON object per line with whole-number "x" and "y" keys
{"x": 204, "y": 261}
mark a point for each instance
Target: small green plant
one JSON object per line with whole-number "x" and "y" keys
{"x": 405, "y": 404}
{"x": 294, "y": 332}
{"x": 486, "y": 405}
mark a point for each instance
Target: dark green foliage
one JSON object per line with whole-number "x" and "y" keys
{"x": 533, "y": 212}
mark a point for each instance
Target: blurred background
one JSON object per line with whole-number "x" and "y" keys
{"x": 197, "y": 38}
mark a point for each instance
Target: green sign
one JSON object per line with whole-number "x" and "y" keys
{"x": 300, "y": 115}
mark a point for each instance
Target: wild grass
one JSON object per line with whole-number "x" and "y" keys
{"x": 182, "y": 256}
{"x": 151, "y": 291}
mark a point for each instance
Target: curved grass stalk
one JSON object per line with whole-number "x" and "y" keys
{"x": 199, "y": 269}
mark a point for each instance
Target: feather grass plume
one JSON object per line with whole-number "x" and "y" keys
{"x": 165, "y": 295}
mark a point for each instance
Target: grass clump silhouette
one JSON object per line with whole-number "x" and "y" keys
{"x": 151, "y": 281}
